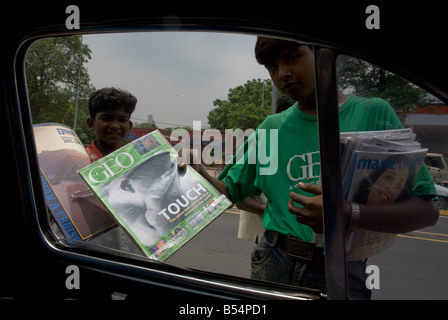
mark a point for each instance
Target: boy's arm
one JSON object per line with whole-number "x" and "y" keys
{"x": 252, "y": 205}
{"x": 403, "y": 216}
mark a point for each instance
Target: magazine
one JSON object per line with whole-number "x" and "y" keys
{"x": 161, "y": 206}
{"x": 76, "y": 211}
{"x": 379, "y": 168}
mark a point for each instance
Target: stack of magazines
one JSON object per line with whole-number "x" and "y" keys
{"x": 379, "y": 168}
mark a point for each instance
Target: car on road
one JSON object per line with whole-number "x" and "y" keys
{"x": 438, "y": 167}
{"x": 442, "y": 193}
{"x": 37, "y": 264}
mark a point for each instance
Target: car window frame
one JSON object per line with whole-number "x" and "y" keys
{"x": 105, "y": 259}
{"x": 331, "y": 177}
{"x": 327, "y": 117}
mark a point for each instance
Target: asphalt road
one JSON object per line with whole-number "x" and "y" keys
{"x": 415, "y": 268}
{"x": 217, "y": 248}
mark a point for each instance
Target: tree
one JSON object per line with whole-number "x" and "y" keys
{"x": 364, "y": 79}
{"x": 245, "y": 108}
{"x": 147, "y": 125}
{"x": 52, "y": 67}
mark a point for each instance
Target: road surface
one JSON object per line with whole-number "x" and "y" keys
{"x": 415, "y": 268}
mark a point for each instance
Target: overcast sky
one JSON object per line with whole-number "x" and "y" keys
{"x": 175, "y": 76}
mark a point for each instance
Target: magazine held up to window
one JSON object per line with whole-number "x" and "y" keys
{"x": 161, "y": 206}
{"x": 379, "y": 168}
{"x": 77, "y": 212}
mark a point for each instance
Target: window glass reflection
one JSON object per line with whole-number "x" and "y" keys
{"x": 404, "y": 235}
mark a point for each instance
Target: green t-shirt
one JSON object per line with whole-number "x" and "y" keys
{"x": 288, "y": 153}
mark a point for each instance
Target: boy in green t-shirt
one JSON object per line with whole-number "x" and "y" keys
{"x": 289, "y": 252}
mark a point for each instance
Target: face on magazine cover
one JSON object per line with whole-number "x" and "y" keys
{"x": 141, "y": 193}
{"x": 389, "y": 186}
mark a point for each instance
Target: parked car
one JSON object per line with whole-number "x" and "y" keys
{"x": 442, "y": 193}
{"x": 437, "y": 166}
{"x": 36, "y": 264}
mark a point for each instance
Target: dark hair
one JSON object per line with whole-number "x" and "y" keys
{"x": 267, "y": 50}
{"x": 111, "y": 99}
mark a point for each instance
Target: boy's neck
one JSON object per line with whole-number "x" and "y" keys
{"x": 308, "y": 105}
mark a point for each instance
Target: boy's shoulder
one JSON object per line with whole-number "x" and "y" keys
{"x": 93, "y": 150}
{"x": 362, "y": 105}
{"x": 275, "y": 121}
{"x": 372, "y": 102}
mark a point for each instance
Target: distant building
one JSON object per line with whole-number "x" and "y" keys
{"x": 430, "y": 123}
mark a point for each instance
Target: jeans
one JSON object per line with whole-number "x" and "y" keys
{"x": 270, "y": 263}
{"x": 356, "y": 280}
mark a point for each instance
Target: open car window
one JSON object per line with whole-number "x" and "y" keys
{"x": 203, "y": 91}
{"x": 181, "y": 81}
{"x": 192, "y": 86}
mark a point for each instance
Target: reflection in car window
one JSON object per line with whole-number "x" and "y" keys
{"x": 422, "y": 114}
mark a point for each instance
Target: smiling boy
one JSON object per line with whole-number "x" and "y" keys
{"x": 110, "y": 113}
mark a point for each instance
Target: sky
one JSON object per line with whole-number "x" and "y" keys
{"x": 175, "y": 76}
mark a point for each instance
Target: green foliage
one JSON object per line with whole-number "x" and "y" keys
{"x": 52, "y": 69}
{"x": 367, "y": 80}
{"x": 246, "y": 106}
{"x": 148, "y": 125}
